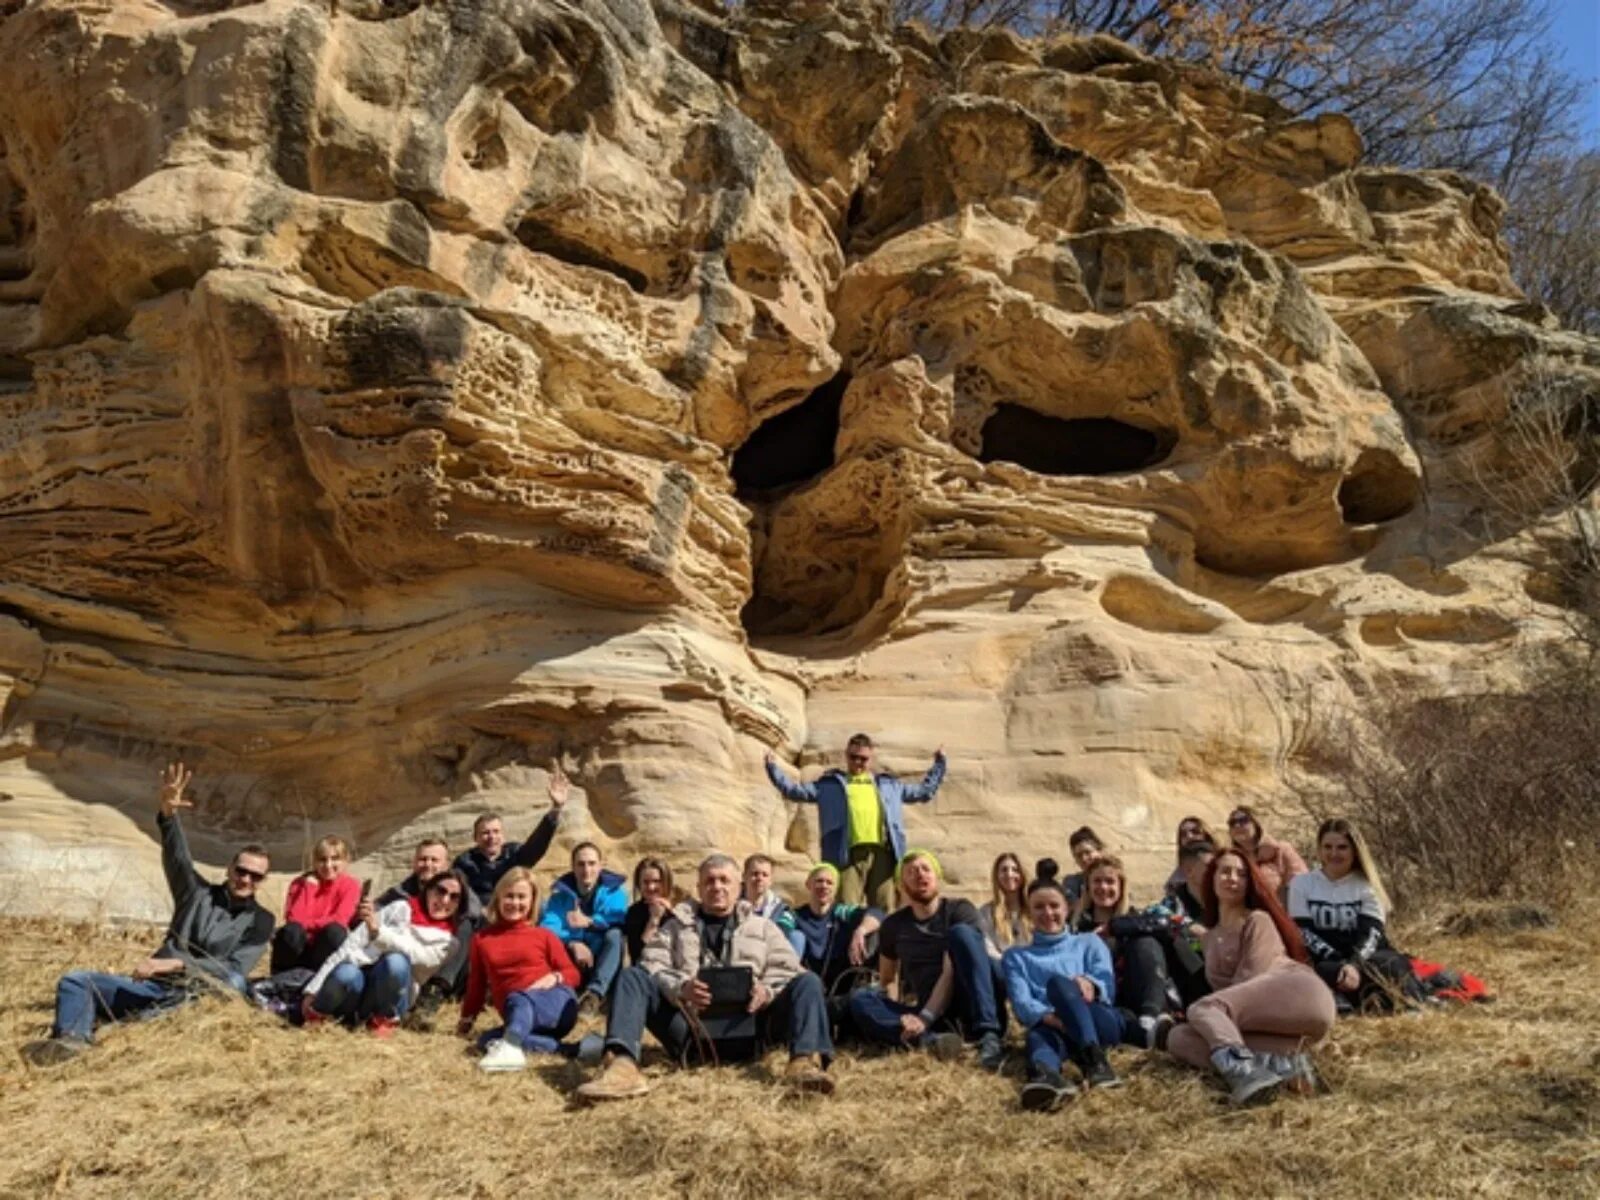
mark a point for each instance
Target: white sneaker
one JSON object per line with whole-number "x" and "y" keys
{"x": 502, "y": 1056}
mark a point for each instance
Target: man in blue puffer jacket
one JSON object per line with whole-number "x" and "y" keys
{"x": 586, "y": 910}
{"x": 862, "y": 818}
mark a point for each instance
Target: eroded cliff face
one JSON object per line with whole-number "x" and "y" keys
{"x": 399, "y": 396}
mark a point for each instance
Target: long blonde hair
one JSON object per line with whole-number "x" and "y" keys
{"x": 1002, "y": 910}
{"x": 491, "y": 911}
{"x": 1365, "y": 863}
{"x": 1106, "y": 862}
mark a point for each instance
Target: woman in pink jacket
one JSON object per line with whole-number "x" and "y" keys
{"x": 1278, "y": 862}
{"x": 319, "y": 909}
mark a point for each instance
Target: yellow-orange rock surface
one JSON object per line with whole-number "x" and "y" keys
{"x": 401, "y": 395}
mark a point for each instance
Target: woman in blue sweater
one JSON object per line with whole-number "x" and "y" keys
{"x": 1062, "y": 989}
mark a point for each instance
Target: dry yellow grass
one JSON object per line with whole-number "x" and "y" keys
{"x": 1502, "y": 1100}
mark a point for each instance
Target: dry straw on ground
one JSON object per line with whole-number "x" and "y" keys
{"x": 1502, "y": 1100}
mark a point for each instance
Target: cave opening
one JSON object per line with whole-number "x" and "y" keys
{"x": 1070, "y": 445}
{"x": 792, "y": 447}
{"x": 1379, "y": 488}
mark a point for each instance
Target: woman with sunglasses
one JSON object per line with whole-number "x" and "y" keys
{"x": 375, "y": 976}
{"x": 1277, "y": 861}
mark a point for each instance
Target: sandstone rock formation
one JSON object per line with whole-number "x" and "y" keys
{"x": 400, "y": 395}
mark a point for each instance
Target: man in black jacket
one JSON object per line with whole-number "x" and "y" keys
{"x": 217, "y": 934}
{"x": 492, "y": 856}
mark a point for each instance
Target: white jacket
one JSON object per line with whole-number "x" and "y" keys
{"x": 426, "y": 948}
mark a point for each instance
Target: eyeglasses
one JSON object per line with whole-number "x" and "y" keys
{"x": 1239, "y": 819}
{"x": 448, "y": 893}
{"x": 246, "y": 873}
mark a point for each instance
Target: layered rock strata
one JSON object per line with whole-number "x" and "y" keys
{"x": 401, "y": 396}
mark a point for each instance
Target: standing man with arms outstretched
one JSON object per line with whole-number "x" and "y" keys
{"x": 861, "y": 815}
{"x": 218, "y": 933}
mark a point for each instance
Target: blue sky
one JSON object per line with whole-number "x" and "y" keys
{"x": 1576, "y": 29}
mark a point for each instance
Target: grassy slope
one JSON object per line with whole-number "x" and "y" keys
{"x": 1501, "y": 1100}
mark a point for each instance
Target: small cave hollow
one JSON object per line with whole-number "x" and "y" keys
{"x": 1378, "y": 488}
{"x": 792, "y": 447}
{"x": 1070, "y": 445}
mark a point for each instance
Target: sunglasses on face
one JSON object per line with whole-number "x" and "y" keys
{"x": 246, "y": 873}
{"x": 1239, "y": 819}
{"x": 448, "y": 893}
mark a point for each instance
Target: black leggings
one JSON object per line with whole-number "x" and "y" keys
{"x": 1142, "y": 979}
{"x": 1386, "y": 975}
{"x": 291, "y": 948}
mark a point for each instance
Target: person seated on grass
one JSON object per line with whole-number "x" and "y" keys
{"x": 690, "y": 992}
{"x": 217, "y": 935}
{"x": 936, "y": 973}
{"x": 839, "y": 938}
{"x": 585, "y": 910}
{"x": 492, "y": 856}
{"x": 1278, "y": 862}
{"x": 430, "y": 860}
{"x": 318, "y": 910}
{"x": 1266, "y": 1004}
{"x": 765, "y": 902}
{"x": 1190, "y": 829}
{"x": 1137, "y": 950}
{"x": 524, "y": 971}
{"x": 861, "y": 816}
{"x": 1086, "y": 848}
{"x": 1003, "y": 918}
{"x": 1340, "y": 909}
{"x": 652, "y": 901}
{"x": 376, "y": 974}
{"x": 1177, "y": 921}
{"x": 1062, "y": 990}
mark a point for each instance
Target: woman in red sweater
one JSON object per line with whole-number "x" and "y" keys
{"x": 524, "y": 970}
{"x": 319, "y": 909}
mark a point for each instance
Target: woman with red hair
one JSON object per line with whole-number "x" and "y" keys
{"x": 1266, "y": 1004}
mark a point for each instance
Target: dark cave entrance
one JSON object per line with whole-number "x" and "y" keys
{"x": 1070, "y": 445}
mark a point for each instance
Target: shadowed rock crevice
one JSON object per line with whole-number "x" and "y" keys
{"x": 1379, "y": 488}
{"x": 792, "y": 447}
{"x": 542, "y": 239}
{"x": 1073, "y": 446}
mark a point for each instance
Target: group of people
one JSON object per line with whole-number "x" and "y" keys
{"x": 1240, "y": 966}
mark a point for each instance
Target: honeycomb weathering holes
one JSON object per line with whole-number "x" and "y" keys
{"x": 1070, "y": 445}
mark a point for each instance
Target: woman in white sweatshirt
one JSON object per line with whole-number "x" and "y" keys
{"x": 376, "y": 974}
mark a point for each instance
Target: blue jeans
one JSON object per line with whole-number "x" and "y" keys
{"x": 82, "y": 997}
{"x": 602, "y": 976}
{"x": 537, "y": 1020}
{"x": 352, "y": 993}
{"x": 975, "y": 1005}
{"x": 1087, "y": 1023}
{"x": 799, "y": 1015}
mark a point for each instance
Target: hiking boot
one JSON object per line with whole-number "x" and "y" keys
{"x": 1296, "y": 1072}
{"x": 501, "y": 1055}
{"x": 1247, "y": 1076}
{"x": 946, "y": 1047}
{"x": 991, "y": 1052}
{"x": 1149, "y": 1033}
{"x": 1096, "y": 1068}
{"x": 619, "y": 1079}
{"x": 425, "y": 1012}
{"x": 1045, "y": 1091}
{"x": 53, "y": 1052}
{"x": 382, "y": 1027}
{"x": 590, "y": 1004}
{"x": 805, "y": 1073}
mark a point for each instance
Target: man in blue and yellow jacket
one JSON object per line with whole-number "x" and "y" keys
{"x": 861, "y": 814}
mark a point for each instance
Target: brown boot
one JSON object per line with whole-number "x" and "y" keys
{"x": 619, "y": 1079}
{"x": 806, "y": 1074}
